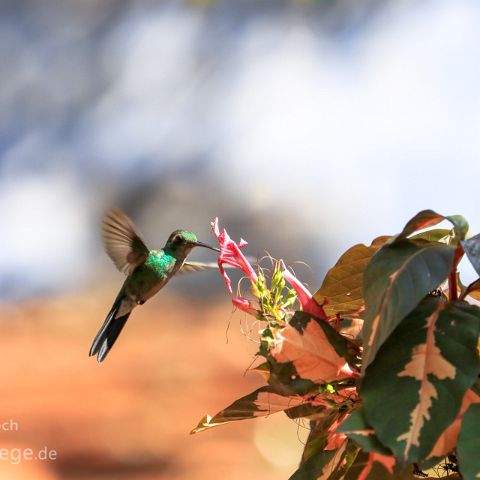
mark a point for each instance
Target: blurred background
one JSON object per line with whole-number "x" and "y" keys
{"x": 305, "y": 126}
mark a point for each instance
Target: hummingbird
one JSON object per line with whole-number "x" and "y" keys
{"x": 148, "y": 271}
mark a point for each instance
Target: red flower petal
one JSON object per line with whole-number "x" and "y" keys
{"x": 305, "y": 298}
{"x": 231, "y": 255}
{"x": 245, "y": 305}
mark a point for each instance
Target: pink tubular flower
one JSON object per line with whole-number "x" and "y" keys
{"x": 305, "y": 298}
{"x": 245, "y": 305}
{"x": 231, "y": 255}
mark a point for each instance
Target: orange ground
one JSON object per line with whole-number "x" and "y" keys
{"x": 130, "y": 417}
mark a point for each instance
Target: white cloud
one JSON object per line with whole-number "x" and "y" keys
{"x": 365, "y": 133}
{"x": 45, "y": 233}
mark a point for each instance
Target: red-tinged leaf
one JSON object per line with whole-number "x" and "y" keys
{"x": 448, "y": 439}
{"x": 373, "y": 468}
{"x": 335, "y": 438}
{"x": 317, "y": 352}
{"x": 428, "y": 218}
{"x": 349, "y": 456}
{"x": 341, "y": 291}
{"x": 320, "y": 431}
{"x": 260, "y": 403}
{"x": 423, "y": 219}
{"x": 352, "y": 328}
{"x": 472, "y": 249}
{"x": 468, "y": 447}
{"x": 323, "y": 465}
{"x": 473, "y": 290}
{"x": 335, "y": 441}
{"x": 429, "y": 362}
{"x": 356, "y": 427}
{"x": 397, "y": 278}
{"x": 378, "y": 467}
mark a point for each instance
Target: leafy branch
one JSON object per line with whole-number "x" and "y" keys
{"x": 382, "y": 360}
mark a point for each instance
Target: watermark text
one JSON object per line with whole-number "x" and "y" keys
{"x": 19, "y": 455}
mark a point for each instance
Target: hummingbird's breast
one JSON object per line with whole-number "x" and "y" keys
{"x": 147, "y": 279}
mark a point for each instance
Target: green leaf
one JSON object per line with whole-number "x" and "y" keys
{"x": 468, "y": 446}
{"x": 359, "y": 463}
{"x": 396, "y": 279}
{"x": 341, "y": 290}
{"x": 305, "y": 410}
{"x": 262, "y": 402}
{"x": 428, "y": 218}
{"x": 460, "y": 225}
{"x": 262, "y": 369}
{"x": 476, "y": 386}
{"x": 321, "y": 465}
{"x": 357, "y": 428}
{"x": 413, "y": 390}
{"x": 472, "y": 249}
{"x": 435, "y": 235}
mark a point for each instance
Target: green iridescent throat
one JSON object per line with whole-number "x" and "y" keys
{"x": 160, "y": 261}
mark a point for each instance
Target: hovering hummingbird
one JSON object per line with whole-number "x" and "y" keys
{"x": 148, "y": 271}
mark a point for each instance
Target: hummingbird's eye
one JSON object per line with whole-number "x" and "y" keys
{"x": 176, "y": 241}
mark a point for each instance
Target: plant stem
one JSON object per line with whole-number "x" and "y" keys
{"x": 452, "y": 285}
{"x": 452, "y": 277}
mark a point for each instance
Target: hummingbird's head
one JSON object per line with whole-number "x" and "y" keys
{"x": 182, "y": 241}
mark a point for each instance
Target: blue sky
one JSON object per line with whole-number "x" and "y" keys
{"x": 335, "y": 136}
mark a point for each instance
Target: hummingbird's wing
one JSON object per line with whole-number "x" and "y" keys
{"x": 188, "y": 267}
{"x": 122, "y": 242}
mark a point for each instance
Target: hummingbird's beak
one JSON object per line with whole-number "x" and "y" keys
{"x": 201, "y": 244}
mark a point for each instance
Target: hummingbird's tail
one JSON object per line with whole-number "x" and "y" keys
{"x": 111, "y": 328}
